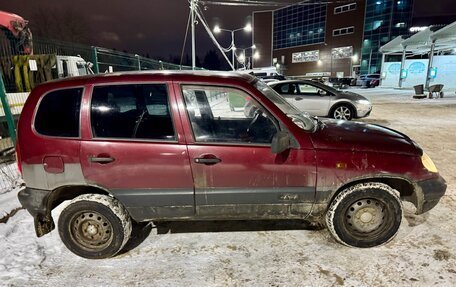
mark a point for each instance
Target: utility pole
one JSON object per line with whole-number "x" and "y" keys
{"x": 193, "y": 8}
{"x": 233, "y": 49}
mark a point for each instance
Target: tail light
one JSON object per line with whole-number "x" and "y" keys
{"x": 18, "y": 158}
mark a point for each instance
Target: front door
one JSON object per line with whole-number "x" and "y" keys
{"x": 134, "y": 152}
{"x": 235, "y": 173}
{"x": 306, "y": 97}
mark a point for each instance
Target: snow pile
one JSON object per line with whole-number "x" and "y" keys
{"x": 21, "y": 255}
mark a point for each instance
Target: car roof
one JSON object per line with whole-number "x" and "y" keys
{"x": 155, "y": 75}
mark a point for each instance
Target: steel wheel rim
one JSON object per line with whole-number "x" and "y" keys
{"x": 365, "y": 216}
{"x": 342, "y": 113}
{"x": 91, "y": 230}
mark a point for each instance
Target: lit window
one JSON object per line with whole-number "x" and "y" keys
{"x": 377, "y": 24}
{"x": 344, "y": 31}
{"x": 345, "y": 8}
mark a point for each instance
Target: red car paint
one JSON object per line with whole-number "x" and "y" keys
{"x": 304, "y": 178}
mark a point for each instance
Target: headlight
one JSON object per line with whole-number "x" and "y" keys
{"x": 364, "y": 102}
{"x": 428, "y": 163}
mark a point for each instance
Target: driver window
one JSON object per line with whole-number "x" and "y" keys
{"x": 222, "y": 114}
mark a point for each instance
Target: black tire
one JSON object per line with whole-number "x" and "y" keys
{"x": 94, "y": 226}
{"x": 365, "y": 215}
{"x": 342, "y": 112}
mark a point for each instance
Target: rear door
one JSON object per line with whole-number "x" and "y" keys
{"x": 133, "y": 147}
{"x": 235, "y": 173}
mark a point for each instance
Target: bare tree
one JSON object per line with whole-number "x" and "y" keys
{"x": 64, "y": 24}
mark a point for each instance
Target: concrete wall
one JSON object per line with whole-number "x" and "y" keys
{"x": 417, "y": 71}
{"x": 392, "y": 70}
{"x": 446, "y": 71}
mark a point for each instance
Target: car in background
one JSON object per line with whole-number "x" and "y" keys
{"x": 341, "y": 83}
{"x": 369, "y": 80}
{"x": 321, "y": 100}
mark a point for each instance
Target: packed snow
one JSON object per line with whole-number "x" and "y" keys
{"x": 270, "y": 253}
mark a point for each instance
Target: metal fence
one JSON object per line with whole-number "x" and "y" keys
{"x": 18, "y": 76}
{"x": 114, "y": 61}
{"x": 9, "y": 175}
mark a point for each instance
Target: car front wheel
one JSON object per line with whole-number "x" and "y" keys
{"x": 365, "y": 215}
{"x": 94, "y": 226}
{"x": 343, "y": 112}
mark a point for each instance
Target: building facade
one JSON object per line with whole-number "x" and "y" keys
{"x": 337, "y": 39}
{"x": 384, "y": 21}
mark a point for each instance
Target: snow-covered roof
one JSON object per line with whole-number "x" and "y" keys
{"x": 393, "y": 45}
{"x": 444, "y": 38}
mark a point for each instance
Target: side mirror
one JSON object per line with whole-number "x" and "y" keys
{"x": 322, "y": 93}
{"x": 280, "y": 142}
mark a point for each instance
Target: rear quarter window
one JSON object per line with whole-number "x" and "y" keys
{"x": 58, "y": 113}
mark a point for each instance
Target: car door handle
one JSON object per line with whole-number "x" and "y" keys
{"x": 102, "y": 160}
{"x": 207, "y": 160}
{"x": 299, "y": 98}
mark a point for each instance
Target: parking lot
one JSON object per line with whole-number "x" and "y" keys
{"x": 278, "y": 253}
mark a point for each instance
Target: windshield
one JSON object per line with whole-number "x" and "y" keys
{"x": 302, "y": 120}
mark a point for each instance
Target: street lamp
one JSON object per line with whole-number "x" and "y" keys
{"x": 139, "y": 62}
{"x": 353, "y": 59}
{"x": 243, "y": 55}
{"x": 246, "y": 28}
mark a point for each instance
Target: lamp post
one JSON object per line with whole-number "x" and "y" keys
{"x": 139, "y": 62}
{"x": 242, "y": 58}
{"x": 247, "y": 28}
{"x": 353, "y": 59}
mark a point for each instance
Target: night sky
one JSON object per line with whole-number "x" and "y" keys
{"x": 153, "y": 27}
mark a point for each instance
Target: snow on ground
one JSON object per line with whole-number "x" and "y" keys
{"x": 8, "y": 202}
{"x": 278, "y": 253}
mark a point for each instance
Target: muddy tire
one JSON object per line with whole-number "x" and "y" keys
{"x": 365, "y": 215}
{"x": 94, "y": 226}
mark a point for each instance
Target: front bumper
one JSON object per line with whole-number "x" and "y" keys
{"x": 36, "y": 203}
{"x": 363, "y": 111}
{"x": 430, "y": 192}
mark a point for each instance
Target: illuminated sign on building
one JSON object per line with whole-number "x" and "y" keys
{"x": 307, "y": 56}
{"x": 342, "y": 52}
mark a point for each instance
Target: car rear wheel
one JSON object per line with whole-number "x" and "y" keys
{"x": 94, "y": 226}
{"x": 343, "y": 112}
{"x": 365, "y": 215}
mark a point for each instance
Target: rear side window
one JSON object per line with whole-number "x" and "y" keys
{"x": 58, "y": 113}
{"x": 138, "y": 111}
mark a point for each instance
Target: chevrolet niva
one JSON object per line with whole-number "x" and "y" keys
{"x": 165, "y": 146}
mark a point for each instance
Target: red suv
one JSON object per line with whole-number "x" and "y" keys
{"x": 170, "y": 146}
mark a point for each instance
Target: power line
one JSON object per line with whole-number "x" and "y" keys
{"x": 185, "y": 38}
{"x": 272, "y": 3}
